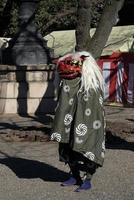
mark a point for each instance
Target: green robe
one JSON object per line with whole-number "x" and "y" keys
{"x": 79, "y": 120}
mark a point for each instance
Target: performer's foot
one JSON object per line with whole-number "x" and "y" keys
{"x": 85, "y": 186}
{"x": 69, "y": 182}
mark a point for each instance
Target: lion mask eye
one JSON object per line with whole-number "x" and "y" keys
{"x": 76, "y": 63}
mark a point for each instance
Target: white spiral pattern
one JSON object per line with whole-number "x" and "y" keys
{"x": 56, "y": 136}
{"x": 89, "y": 155}
{"x": 88, "y": 112}
{"x": 66, "y": 88}
{"x": 96, "y": 124}
{"x": 68, "y": 119}
{"x": 81, "y": 129}
{"x": 71, "y": 101}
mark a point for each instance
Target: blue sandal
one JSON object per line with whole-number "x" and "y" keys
{"x": 85, "y": 186}
{"x": 69, "y": 182}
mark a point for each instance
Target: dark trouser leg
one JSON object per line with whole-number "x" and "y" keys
{"x": 91, "y": 170}
{"x": 75, "y": 172}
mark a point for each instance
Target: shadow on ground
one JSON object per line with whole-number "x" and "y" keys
{"x": 21, "y": 124}
{"x": 30, "y": 128}
{"x": 24, "y": 168}
{"x": 113, "y": 142}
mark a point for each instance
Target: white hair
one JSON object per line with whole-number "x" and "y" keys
{"x": 91, "y": 73}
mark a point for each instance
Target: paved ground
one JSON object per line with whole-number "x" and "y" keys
{"x": 120, "y": 123}
{"x": 31, "y": 171}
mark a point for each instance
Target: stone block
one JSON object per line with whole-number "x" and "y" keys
{"x": 14, "y": 90}
{"x": 41, "y": 90}
{"x": 10, "y": 106}
{"x": 27, "y": 89}
{"x": 32, "y": 105}
{"x": 36, "y": 76}
{"x": 24, "y": 106}
{"x": 23, "y": 76}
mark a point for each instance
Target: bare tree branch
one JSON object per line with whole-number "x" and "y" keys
{"x": 107, "y": 21}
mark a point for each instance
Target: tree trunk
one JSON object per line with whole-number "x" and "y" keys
{"x": 83, "y": 24}
{"x": 107, "y": 21}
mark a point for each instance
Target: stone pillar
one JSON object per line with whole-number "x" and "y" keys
{"x": 27, "y": 46}
{"x": 26, "y": 78}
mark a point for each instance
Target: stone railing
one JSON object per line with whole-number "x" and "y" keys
{"x": 27, "y": 89}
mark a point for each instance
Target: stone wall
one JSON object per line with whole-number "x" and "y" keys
{"x": 27, "y": 89}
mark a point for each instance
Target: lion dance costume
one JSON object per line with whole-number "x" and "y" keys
{"x": 79, "y": 119}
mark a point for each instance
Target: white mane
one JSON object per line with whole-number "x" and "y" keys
{"x": 91, "y": 73}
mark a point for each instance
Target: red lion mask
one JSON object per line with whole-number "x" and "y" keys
{"x": 70, "y": 68}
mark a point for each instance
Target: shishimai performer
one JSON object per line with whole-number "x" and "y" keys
{"x": 79, "y": 120}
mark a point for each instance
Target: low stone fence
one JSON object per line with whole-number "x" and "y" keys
{"x": 27, "y": 89}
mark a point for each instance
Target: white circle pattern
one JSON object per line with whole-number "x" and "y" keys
{"x": 85, "y": 97}
{"x": 96, "y": 124}
{"x": 66, "y": 88}
{"x": 68, "y": 119}
{"x": 89, "y": 155}
{"x": 67, "y": 130}
{"x": 71, "y": 101}
{"x": 78, "y": 140}
{"x": 88, "y": 112}
{"x": 81, "y": 129}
